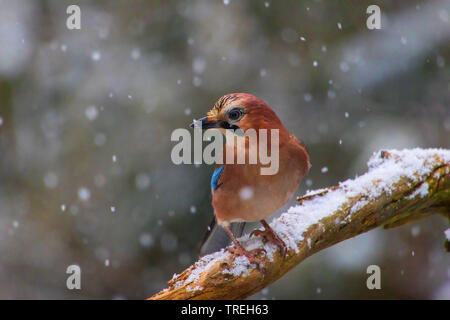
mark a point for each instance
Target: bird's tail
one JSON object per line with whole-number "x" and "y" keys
{"x": 216, "y": 237}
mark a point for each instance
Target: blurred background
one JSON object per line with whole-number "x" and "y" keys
{"x": 86, "y": 117}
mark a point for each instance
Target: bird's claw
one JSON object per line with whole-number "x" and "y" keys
{"x": 250, "y": 254}
{"x": 271, "y": 237}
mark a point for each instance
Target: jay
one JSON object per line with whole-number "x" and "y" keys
{"x": 240, "y": 193}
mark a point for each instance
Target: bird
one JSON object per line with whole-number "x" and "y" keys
{"x": 240, "y": 193}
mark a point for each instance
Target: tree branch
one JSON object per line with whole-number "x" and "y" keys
{"x": 400, "y": 186}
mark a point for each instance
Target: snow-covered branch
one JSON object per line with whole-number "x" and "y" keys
{"x": 400, "y": 186}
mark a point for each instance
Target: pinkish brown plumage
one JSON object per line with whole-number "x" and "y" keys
{"x": 240, "y": 193}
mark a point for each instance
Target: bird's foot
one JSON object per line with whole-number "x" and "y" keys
{"x": 272, "y": 237}
{"x": 250, "y": 254}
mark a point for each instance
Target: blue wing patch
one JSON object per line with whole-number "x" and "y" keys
{"x": 215, "y": 177}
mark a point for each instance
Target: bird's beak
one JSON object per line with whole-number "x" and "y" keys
{"x": 203, "y": 123}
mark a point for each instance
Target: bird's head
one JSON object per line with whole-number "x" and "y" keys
{"x": 239, "y": 111}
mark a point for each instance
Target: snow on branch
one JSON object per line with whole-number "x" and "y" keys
{"x": 399, "y": 187}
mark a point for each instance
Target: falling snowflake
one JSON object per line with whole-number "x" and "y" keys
{"x": 199, "y": 65}
{"x": 100, "y": 139}
{"x": 146, "y": 239}
{"x": 197, "y": 81}
{"x": 91, "y": 113}
{"x": 135, "y": 54}
{"x": 142, "y": 181}
{"x": 51, "y": 180}
{"x": 84, "y": 194}
{"x": 96, "y": 55}
{"x": 307, "y": 97}
{"x": 344, "y": 66}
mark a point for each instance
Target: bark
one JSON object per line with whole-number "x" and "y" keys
{"x": 401, "y": 186}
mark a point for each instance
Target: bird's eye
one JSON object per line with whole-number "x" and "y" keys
{"x": 235, "y": 114}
